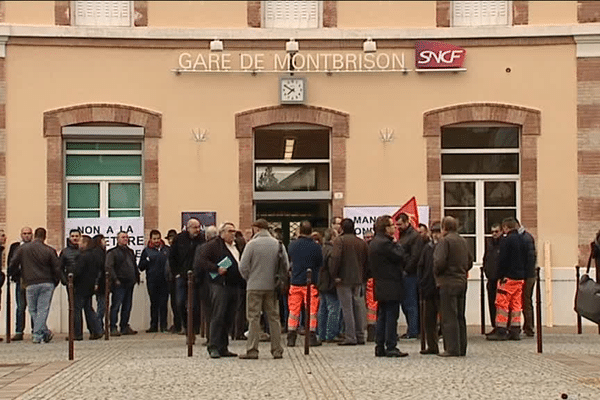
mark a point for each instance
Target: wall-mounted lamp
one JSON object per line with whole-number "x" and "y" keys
{"x": 386, "y": 135}
{"x": 369, "y": 46}
{"x": 292, "y": 46}
{"x": 216, "y": 45}
{"x": 199, "y": 135}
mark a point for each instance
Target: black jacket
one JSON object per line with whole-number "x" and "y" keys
{"x": 491, "y": 258}
{"x": 413, "y": 244}
{"x": 87, "y": 268}
{"x": 211, "y": 254}
{"x": 100, "y": 253}
{"x": 154, "y": 262}
{"x": 120, "y": 262}
{"x": 427, "y": 284}
{"x": 181, "y": 255}
{"x": 513, "y": 257}
{"x": 531, "y": 255}
{"x": 15, "y": 272}
{"x": 387, "y": 260}
{"x": 68, "y": 259}
{"x": 326, "y": 281}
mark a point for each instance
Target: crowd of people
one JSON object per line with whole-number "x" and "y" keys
{"x": 359, "y": 285}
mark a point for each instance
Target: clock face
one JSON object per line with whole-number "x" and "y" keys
{"x": 292, "y": 90}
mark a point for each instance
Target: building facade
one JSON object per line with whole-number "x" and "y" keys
{"x": 291, "y": 110}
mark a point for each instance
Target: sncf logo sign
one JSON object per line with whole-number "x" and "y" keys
{"x": 438, "y": 55}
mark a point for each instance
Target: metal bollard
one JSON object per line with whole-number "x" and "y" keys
{"x": 577, "y": 276}
{"x": 8, "y": 306}
{"x": 71, "y": 316}
{"x": 538, "y": 310}
{"x": 190, "y": 314}
{"x": 307, "y": 312}
{"x": 482, "y": 299}
{"x": 106, "y": 304}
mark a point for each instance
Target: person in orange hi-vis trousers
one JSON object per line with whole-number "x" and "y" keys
{"x": 511, "y": 279}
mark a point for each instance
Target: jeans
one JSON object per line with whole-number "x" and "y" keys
{"x": 528, "y": 323}
{"x": 101, "y": 308}
{"x": 182, "y": 294}
{"x": 223, "y": 302}
{"x": 174, "y": 308}
{"x": 21, "y": 303}
{"x": 84, "y": 303}
{"x": 39, "y": 298}
{"x": 454, "y": 325}
{"x": 410, "y": 304}
{"x": 122, "y": 298}
{"x": 387, "y": 324}
{"x": 330, "y": 314}
{"x": 159, "y": 297}
{"x": 492, "y": 285}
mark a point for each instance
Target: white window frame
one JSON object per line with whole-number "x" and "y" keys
{"x": 101, "y": 21}
{"x": 473, "y": 23}
{"x": 290, "y": 24}
{"x": 480, "y": 179}
{"x": 104, "y": 181}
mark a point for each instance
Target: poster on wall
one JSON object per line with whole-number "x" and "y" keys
{"x": 110, "y": 227}
{"x": 206, "y": 218}
{"x": 364, "y": 216}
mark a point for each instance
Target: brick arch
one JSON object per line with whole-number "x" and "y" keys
{"x": 528, "y": 119}
{"x": 55, "y": 120}
{"x": 245, "y": 123}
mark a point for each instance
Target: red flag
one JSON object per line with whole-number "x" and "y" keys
{"x": 409, "y": 208}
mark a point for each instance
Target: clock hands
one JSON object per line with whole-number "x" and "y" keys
{"x": 291, "y": 89}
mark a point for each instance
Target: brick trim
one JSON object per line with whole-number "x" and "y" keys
{"x": 55, "y": 120}
{"x": 245, "y": 123}
{"x": 62, "y": 13}
{"x": 520, "y": 12}
{"x": 588, "y": 11}
{"x": 528, "y": 119}
{"x": 330, "y": 14}
{"x": 442, "y": 14}
{"x": 254, "y": 13}
{"x": 2, "y": 11}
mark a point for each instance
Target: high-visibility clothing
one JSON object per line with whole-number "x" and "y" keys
{"x": 296, "y": 299}
{"x": 371, "y": 303}
{"x": 509, "y": 303}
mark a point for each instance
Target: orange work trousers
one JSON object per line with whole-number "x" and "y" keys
{"x": 371, "y": 303}
{"x": 509, "y": 303}
{"x": 296, "y": 299}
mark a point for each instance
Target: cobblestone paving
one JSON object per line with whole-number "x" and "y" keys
{"x": 156, "y": 366}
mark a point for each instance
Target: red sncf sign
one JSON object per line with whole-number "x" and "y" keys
{"x": 438, "y": 55}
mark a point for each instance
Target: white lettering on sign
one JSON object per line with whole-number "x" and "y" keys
{"x": 446, "y": 57}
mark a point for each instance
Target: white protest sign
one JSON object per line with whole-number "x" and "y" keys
{"x": 110, "y": 227}
{"x": 364, "y": 216}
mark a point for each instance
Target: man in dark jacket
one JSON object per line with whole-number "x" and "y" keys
{"x": 529, "y": 280}
{"x": 40, "y": 273}
{"x": 220, "y": 259}
{"x": 87, "y": 268}
{"x": 413, "y": 244}
{"x": 511, "y": 275}
{"x": 154, "y": 261}
{"x": 330, "y": 310}
{"x": 429, "y": 291}
{"x": 350, "y": 261}
{"x": 68, "y": 255}
{"x": 181, "y": 260}
{"x": 120, "y": 262}
{"x": 304, "y": 254}
{"x": 490, "y": 268}
{"x": 387, "y": 260}
{"x": 15, "y": 276}
{"x": 452, "y": 261}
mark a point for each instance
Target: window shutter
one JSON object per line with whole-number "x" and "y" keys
{"x": 103, "y": 13}
{"x": 480, "y": 13}
{"x": 292, "y": 14}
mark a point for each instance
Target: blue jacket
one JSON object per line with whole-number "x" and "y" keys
{"x": 305, "y": 254}
{"x": 154, "y": 262}
{"x": 513, "y": 257}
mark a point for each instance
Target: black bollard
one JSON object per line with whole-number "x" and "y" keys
{"x": 71, "y": 316}
{"x": 576, "y": 293}
{"x": 190, "y": 314}
{"x": 538, "y": 309}
{"x": 106, "y": 304}
{"x": 482, "y": 299}
{"x": 8, "y": 306}
{"x": 307, "y": 313}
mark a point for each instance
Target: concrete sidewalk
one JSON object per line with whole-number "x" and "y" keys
{"x": 153, "y": 366}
